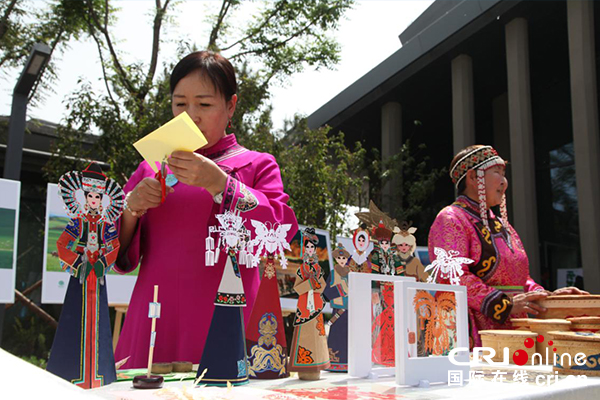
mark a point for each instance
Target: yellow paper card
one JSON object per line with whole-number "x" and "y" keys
{"x": 180, "y": 133}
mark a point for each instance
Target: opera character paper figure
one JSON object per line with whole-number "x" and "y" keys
{"x": 265, "y": 335}
{"x": 361, "y": 239}
{"x": 308, "y": 353}
{"x": 82, "y": 352}
{"x": 405, "y": 243}
{"x": 384, "y": 260}
{"x": 224, "y": 354}
{"x": 337, "y": 294}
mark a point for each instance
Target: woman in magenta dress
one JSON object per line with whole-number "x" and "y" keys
{"x": 168, "y": 239}
{"x": 498, "y": 281}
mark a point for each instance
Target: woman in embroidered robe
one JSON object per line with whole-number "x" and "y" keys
{"x": 337, "y": 294}
{"x": 82, "y": 352}
{"x": 308, "y": 352}
{"x": 167, "y": 239}
{"x": 498, "y": 281}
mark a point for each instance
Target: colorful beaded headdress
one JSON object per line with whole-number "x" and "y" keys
{"x": 479, "y": 159}
{"x": 91, "y": 180}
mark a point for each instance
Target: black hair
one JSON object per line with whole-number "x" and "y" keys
{"x": 213, "y": 66}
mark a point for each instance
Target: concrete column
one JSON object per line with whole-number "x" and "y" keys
{"x": 502, "y": 140}
{"x": 391, "y": 140}
{"x": 521, "y": 141}
{"x": 584, "y": 108}
{"x": 463, "y": 103}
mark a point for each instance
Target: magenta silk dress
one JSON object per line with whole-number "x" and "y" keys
{"x": 500, "y": 266}
{"x": 170, "y": 242}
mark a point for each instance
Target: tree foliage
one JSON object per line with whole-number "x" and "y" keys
{"x": 321, "y": 175}
{"x": 24, "y": 23}
{"x": 282, "y": 38}
{"x": 413, "y": 180}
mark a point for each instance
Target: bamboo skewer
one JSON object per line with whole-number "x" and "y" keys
{"x": 151, "y": 381}
{"x": 152, "y": 334}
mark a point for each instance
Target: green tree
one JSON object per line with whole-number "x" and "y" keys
{"x": 55, "y": 23}
{"x": 321, "y": 175}
{"x": 414, "y": 181}
{"x": 284, "y": 37}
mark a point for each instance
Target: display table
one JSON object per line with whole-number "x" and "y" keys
{"x": 485, "y": 383}
{"x": 23, "y": 380}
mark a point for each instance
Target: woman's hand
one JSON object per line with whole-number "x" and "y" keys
{"x": 524, "y": 302}
{"x": 147, "y": 194}
{"x": 196, "y": 170}
{"x": 568, "y": 290}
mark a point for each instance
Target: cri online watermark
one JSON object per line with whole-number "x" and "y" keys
{"x": 520, "y": 357}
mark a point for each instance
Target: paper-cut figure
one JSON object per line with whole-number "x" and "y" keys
{"x": 446, "y": 266}
{"x": 337, "y": 294}
{"x": 383, "y": 258}
{"x": 265, "y": 336}
{"x": 405, "y": 243}
{"x": 225, "y": 350}
{"x": 436, "y": 317}
{"x": 82, "y": 352}
{"x": 308, "y": 352}
{"x": 383, "y": 329}
{"x": 360, "y": 258}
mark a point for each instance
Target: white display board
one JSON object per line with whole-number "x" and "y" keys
{"x": 360, "y": 345}
{"x": 9, "y": 234}
{"x": 54, "y": 279}
{"x": 568, "y": 277}
{"x": 434, "y": 305}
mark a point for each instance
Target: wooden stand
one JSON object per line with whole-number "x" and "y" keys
{"x": 309, "y": 375}
{"x": 150, "y": 381}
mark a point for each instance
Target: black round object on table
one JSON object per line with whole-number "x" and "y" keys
{"x": 145, "y": 382}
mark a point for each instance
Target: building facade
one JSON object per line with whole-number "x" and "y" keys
{"x": 519, "y": 75}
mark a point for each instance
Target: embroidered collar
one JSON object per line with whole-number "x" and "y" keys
{"x": 469, "y": 205}
{"x": 472, "y": 208}
{"x": 224, "y": 149}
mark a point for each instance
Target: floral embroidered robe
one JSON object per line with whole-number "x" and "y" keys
{"x": 500, "y": 268}
{"x": 308, "y": 351}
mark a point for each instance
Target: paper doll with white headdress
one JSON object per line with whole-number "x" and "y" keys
{"x": 224, "y": 354}
{"x": 82, "y": 352}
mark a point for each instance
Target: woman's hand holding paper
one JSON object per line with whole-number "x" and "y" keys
{"x": 196, "y": 170}
{"x": 146, "y": 195}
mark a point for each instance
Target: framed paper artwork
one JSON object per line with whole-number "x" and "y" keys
{"x": 432, "y": 321}
{"x": 371, "y": 345}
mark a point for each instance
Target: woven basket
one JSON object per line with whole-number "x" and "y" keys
{"x": 573, "y": 343}
{"x": 585, "y": 324}
{"x": 542, "y": 327}
{"x": 569, "y": 306}
{"x": 521, "y": 324}
{"x": 513, "y": 339}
